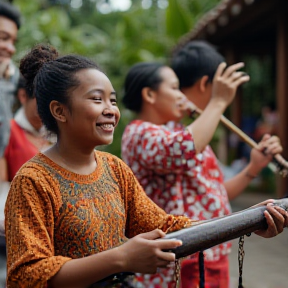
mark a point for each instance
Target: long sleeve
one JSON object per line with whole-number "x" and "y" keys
{"x": 29, "y": 224}
{"x": 143, "y": 215}
{"x": 158, "y": 148}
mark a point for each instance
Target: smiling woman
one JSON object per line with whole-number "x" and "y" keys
{"x": 71, "y": 209}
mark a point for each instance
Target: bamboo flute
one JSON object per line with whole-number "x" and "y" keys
{"x": 280, "y": 163}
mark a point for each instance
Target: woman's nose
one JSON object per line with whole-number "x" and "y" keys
{"x": 108, "y": 112}
{"x": 182, "y": 95}
{"x": 10, "y": 48}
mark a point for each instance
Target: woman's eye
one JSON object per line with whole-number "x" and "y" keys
{"x": 114, "y": 101}
{"x": 4, "y": 37}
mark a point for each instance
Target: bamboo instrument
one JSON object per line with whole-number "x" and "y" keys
{"x": 218, "y": 230}
{"x": 280, "y": 163}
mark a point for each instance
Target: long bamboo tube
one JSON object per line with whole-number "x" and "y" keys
{"x": 218, "y": 230}
{"x": 280, "y": 163}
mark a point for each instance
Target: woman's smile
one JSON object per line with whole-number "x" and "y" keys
{"x": 106, "y": 127}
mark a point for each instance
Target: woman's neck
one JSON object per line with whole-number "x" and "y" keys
{"x": 72, "y": 158}
{"x": 149, "y": 116}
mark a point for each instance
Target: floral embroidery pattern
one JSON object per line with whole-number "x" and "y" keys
{"x": 54, "y": 215}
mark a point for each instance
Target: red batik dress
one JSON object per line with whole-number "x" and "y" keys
{"x": 182, "y": 183}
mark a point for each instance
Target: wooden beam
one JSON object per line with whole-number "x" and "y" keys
{"x": 282, "y": 86}
{"x": 253, "y": 18}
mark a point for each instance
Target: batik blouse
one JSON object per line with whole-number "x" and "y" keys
{"x": 174, "y": 176}
{"x": 54, "y": 215}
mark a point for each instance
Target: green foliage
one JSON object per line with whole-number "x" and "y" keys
{"x": 178, "y": 19}
{"x": 260, "y": 90}
{"x": 115, "y": 41}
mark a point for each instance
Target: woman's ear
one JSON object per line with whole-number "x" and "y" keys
{"x": 203, "y": 83}
{"x": 58, "y": 111}
{"x": 148, "y": 95}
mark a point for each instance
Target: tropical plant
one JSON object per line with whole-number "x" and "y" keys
{"x": 114, "y": 40}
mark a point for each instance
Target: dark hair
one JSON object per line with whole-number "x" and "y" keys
{"x": 139, "y": 76}
{"x": 195, "y": 60}
{"x": 50, "y": 77}
{"x": 9, "y": 11}
{"x": 22, "y": 85}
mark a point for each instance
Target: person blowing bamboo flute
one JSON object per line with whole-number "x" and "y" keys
{"x": 175, "y": 165}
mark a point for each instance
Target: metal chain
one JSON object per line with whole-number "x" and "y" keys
{"x": 177, "y": 273}
{"x": 241, "y": 254}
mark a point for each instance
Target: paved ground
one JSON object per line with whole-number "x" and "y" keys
{"x": 266, "y": 260}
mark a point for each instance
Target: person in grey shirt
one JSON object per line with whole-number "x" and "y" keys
{"x": 9, "y": 73}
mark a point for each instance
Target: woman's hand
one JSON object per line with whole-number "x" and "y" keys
{"x": 276, "y": 217}
{"x": 226, "y": 81}
{"x": 267, "y": 148}
{"x": 143, "y": 253}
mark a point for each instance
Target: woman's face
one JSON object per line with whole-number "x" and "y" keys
{"x": 93, "y": 109}
{"x": 169, "y": 99}
{"x": 30, "y": 108}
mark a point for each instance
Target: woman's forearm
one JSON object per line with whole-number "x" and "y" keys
{"x": 236, "y": 185}
{"x": 203, "y": 128}
{"x": 83, "y": 272}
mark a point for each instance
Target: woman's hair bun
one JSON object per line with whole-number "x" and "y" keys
{"x": 33, "y": 61}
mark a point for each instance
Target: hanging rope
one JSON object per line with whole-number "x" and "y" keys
{"x": 201, "y": 270}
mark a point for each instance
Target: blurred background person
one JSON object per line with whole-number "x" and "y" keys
{"x": 9, "y": 73}
{"x": 195, "y": 65}
{"x": 268, "y": 123}
{"x": 27, "y": 134}
{"x": 175, "y": 164}
{"x": 168, "y": 158}
{"x": 26, "y": 138}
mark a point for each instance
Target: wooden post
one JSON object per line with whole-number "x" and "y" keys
{"x": 235, "y": 110}
{"x": 236, "y": 105}
{"x": 282, "y": 86}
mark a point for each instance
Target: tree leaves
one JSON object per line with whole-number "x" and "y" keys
{"x": 115, "y": 41}
{"x": 178, "y": 20}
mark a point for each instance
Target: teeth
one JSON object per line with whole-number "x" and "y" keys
{"x": 108, "y": 126}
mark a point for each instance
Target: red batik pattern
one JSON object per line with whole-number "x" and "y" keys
{"x": 176, "y": 178}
